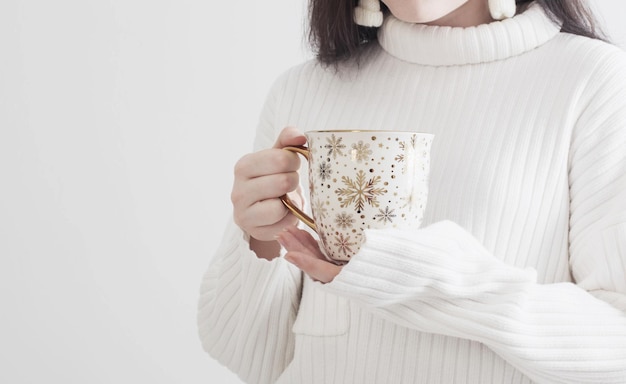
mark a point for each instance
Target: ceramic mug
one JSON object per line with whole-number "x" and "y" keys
{"x": 360, "y": 180}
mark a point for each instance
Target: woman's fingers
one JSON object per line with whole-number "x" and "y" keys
{"x": 251, "y": 191}
{"x": 265, "y": 219}
{"x": 260, "y": 179}
{"x": 289, "y": 136}
{"x": 309, "y": 258}
{"x": 320, "y": 270}
{"x": 266, "y": 162}
{"x": 307, "y": 241}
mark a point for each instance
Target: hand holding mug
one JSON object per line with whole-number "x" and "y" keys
{"x": 259, "y": 179}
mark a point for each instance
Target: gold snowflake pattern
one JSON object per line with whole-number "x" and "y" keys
{"x": 319, "y": 209}
{"x": 324, "y": 171}
{"x": 335, "y": 146}
{"x": 344, "y": 245}
{"x": 360, "y": 151}
{"x": 386, "y": 215}
{"x": 408, "y": 150}
{"x": 360, "y": 191}
{"x": 410, "y": 200}
{"x": 344, "y": 220}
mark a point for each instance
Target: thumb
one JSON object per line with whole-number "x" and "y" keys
{"x": 289, "y": 136}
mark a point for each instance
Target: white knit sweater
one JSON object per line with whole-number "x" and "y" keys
{"x": 519, "y": 272}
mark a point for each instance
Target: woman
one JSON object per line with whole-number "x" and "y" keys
{"x": 518, "y": 274}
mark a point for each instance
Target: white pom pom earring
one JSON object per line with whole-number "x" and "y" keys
{"x": 368, "y": 13}
{"x": 502, "y": 9}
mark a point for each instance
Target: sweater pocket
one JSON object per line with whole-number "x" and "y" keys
{"x": 321, "y": 313}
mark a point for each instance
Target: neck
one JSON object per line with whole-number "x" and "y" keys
{"x": 470, "y": 14}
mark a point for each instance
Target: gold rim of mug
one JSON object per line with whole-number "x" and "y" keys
{"x": 366, "y": 131}
{"x": 432, "y": 135}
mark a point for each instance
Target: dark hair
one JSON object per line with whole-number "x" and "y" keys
{"x": 334, "y": 37}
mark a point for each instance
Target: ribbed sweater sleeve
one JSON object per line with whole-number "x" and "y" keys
{"x": 247, "y": 305}
{"x": 441, "y": 280}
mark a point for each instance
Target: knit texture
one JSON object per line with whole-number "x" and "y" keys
{"x": 518, "y": 274}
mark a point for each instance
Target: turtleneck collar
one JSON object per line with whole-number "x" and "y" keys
{"x": 441, "y": 46}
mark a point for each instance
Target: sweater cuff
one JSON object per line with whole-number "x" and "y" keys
{"x": 439, "y": 261}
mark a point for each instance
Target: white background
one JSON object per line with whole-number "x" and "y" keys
{"x": 120, "y": 121}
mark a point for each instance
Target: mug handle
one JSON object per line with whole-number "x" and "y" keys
{"x": 297, "y": 212}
